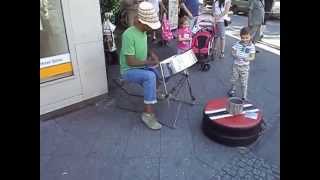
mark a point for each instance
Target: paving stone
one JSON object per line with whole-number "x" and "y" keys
{"x": 269, "y": 171}
{"x": 248, "y": 177}
{"x": 233, "y": 172}
{"x": 236, "y": 178}
{"x": 276, "y": 176}
{"x": 120, "y": 147}
{"x": 269, "y": 177}
{"x": 241, "y": 172}
{"x": 227, "y": 177}
{"x": 250, "y": 162}
{"x": 276, "y": 171}
{"x": 266, "y": 166}
{"x": 241, "y": 164}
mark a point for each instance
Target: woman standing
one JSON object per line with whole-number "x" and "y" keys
{"x": 220, "y": 12}
{"x": 255, "y": 18}
{"x": 156, "y": 4}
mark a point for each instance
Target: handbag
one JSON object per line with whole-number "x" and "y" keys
{"x": 227, "y": 22}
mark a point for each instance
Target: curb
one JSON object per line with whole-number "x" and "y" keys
{"x": 259, "y": 44}
{"x": 269, "y": 44}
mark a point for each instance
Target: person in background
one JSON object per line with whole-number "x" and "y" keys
{"x": 190, "y": 8}
{"x": 131, "y": 7}
{"x": 156, "y": 4}
{"x": 255, "y": 19}
{"x": 220, "y": 12}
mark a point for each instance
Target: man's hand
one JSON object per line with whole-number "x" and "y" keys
{"x": 251, "y": 57}
{"x": 153, "y": 56}
{"x": 234, "y": 53}
{"x": 151, "y": 61}
{"x": 155, "y": 60}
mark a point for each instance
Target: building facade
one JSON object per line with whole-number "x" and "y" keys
{"x": 72, "y": 61}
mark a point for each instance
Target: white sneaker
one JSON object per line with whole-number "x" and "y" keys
{"x": 151, "y": 121}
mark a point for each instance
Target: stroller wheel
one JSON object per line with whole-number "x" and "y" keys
{"x": 205, "y": 67}
{"x": 211, "y": 57}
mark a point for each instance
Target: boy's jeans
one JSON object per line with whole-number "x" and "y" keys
{"x": 145, "y": 78}
{"x": 240, "y": 72}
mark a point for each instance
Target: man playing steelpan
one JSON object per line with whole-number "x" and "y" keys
{"x": 134, "y": 59}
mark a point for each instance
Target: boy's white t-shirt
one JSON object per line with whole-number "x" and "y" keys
{"x": 243, "y": 52}
{"x": 219, "y": 10}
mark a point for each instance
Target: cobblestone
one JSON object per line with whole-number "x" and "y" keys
{"x": 217, "y": 177}
{"x": 269, "y": 177}
{"x": 277, "y": 176}
{"x": 249, "y": 166}
{"x": 226, "y": 177}
{"x": 266, "y": 166}
{"x": 236, "y": 178}
{"x": 233, "y": 172}
{"x": 242, "y": 164}
{"x": 241, "y": 172}
{"x": 257, "y": 163}
{"x": 269, "y": 171}
{"x": 247, "y": 177}
{"x": 276, "y": 171}
{"x": 227, "y": 170}
{"x": 223, "y": 173}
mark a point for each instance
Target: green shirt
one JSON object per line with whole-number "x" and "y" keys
{"x": 134, "y": 42}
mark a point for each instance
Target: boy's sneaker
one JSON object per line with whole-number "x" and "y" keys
{"x": 151, "y": 121}
{"x": 232, "y": 93}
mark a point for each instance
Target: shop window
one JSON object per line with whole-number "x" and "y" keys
{"x": 55, "y": 62}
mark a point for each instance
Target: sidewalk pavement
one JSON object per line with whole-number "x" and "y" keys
{"x": 270, "y": 38}
{"x": 103, "y": 142}
{"x": 271, "y": 34}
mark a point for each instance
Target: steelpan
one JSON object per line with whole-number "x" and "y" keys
{"x": 177, "y": 63}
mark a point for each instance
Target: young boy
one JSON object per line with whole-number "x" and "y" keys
{"x": 243, "y": 52}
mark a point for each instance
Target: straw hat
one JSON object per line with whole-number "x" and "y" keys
{"x": 147, "y": 15}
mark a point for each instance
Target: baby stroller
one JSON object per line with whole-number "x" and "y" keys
{"x": 203, "y": 40}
